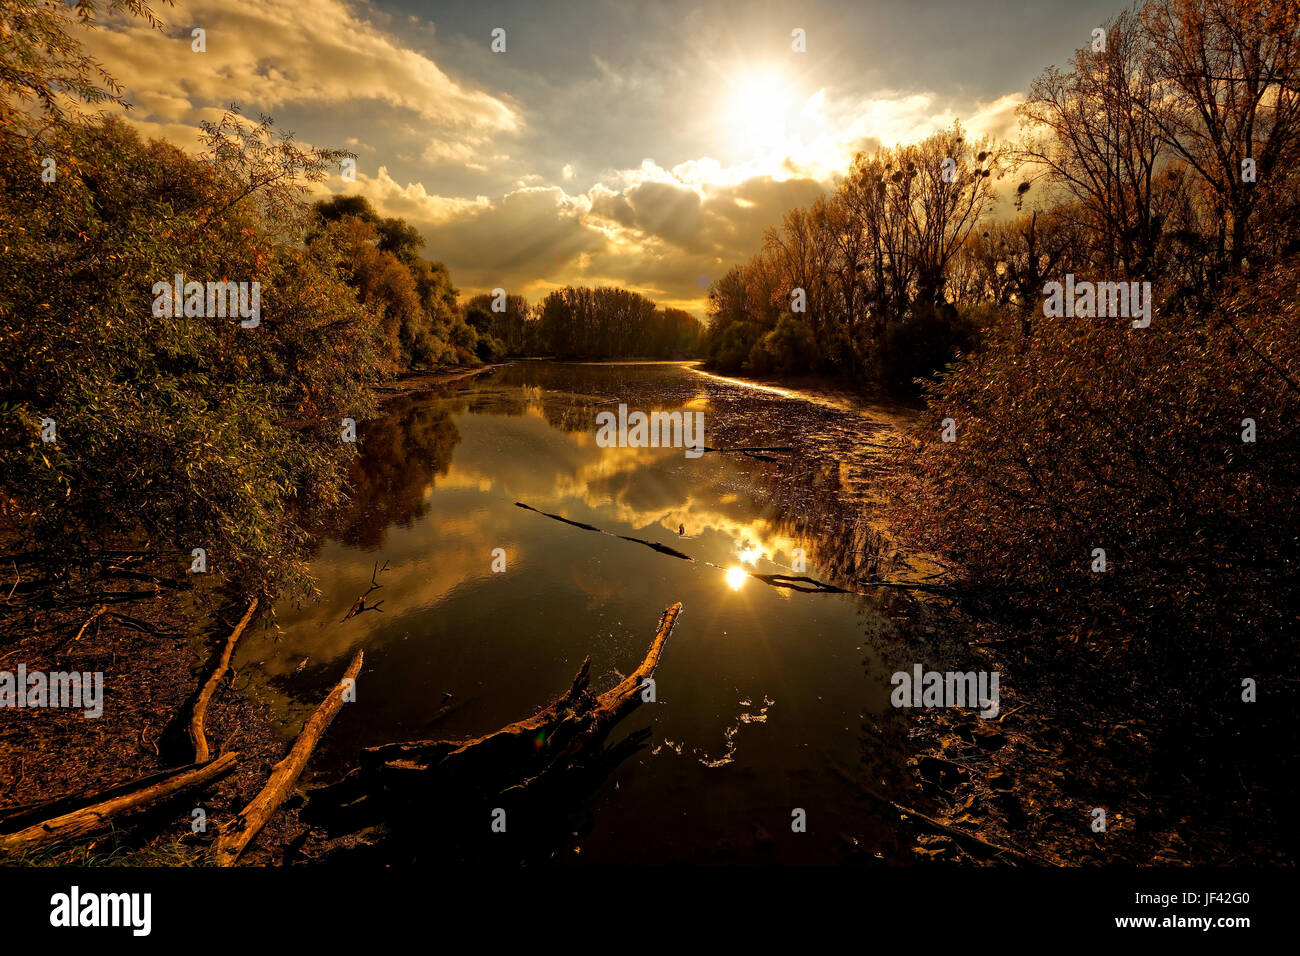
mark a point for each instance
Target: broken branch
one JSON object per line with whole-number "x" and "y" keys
{"x": 197, "y": 736}
{"x": 234, "y": 837}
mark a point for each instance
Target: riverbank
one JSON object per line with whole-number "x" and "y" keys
{"x": 822, "y": 388}
{"x": 154, "y": 653}
{"x": 1081, "y": 766}
{"x": 411, "y": 383}
{"x": 1085, "y": 769}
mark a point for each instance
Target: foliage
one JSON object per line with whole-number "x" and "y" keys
{"x": 182, "y": 431}
{"x": 924, "y": 342}
{"x": 171, "y": 431}
{"x": 44, "y": 66}
{"x": 855, "y": 267}
{"x": 1092, "y": 434}
{"x": 413, "y": 297}
{"x": 788, "y": 349}
{"x": 738, "y": 341}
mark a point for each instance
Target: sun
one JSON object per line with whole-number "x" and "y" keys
{"x": 735, "y": 578}
{"x": 758, "y": 104}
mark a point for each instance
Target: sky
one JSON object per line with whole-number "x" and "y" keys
{"x": 644, "y": 144}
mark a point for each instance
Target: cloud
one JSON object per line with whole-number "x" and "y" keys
{"x": 656, "y": 233}
{"x": 997, "y": 119}
{"x": 480, "y": 183}
{"x": 413, "y": 201}
{"x": 272, "y": 55}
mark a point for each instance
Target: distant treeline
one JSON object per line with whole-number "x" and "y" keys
{"x": 613, "y": 323}
{"x": 582, "y": 323}
{"x": 424, "y": 323}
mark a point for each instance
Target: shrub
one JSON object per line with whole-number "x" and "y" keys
{"x": 738, "y": 340}
{"x": 761, "y": 361}
{"x": 179, "y": 431}
{"x": 1092, "y": 434}
{"x": 790, "y": 347}
{"x": 462, "y": 335}
{"x": 489, "y": 349}
{"x": 923, "y": 343}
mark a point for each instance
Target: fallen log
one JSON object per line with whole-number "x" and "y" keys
{"x": 21, "y": 815}
{"x": 744, "y": 448}
{"x": 516, "y": 756}
{"x": 234, "y": 837}
{"x": 97, "y": 816}
{"x": 565, "y": 726}
{"x": 522, "y": 734}
{"x": 197, "y": 737}
{"x": 787, "y": 581}
{"x": 797, "y": 583}
{"x": 615, "y": 704}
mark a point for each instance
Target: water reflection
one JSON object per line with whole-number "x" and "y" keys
{"x": 435, "y": 492}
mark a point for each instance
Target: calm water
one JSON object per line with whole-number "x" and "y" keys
{"x": 762, "y": 692}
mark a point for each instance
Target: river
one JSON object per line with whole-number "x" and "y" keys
{"x": 768, "y": 699}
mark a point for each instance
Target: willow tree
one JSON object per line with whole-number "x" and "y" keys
{"x": 123, "y": 424}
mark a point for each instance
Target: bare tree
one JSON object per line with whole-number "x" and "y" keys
{"x": 1094, "y": 132}
{"x": 1228, "y": 97}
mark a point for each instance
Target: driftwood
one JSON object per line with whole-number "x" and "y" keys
{"x": 565, "y": 726}
{"x": 960, "y": 836}
{"x": 125, "y": 798}
{"x": 234, "y": 837}
{"x": 799, "y": 582}
{"x": 744, "y": 448}
{"x": 786, "y": 581}
{"x": 661, "y": 548}
{"x": 197, "y": 736}
{"x": 80, "y": 816}
{"x": 519, "y": 755}
{"x": 964, "y": 836}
